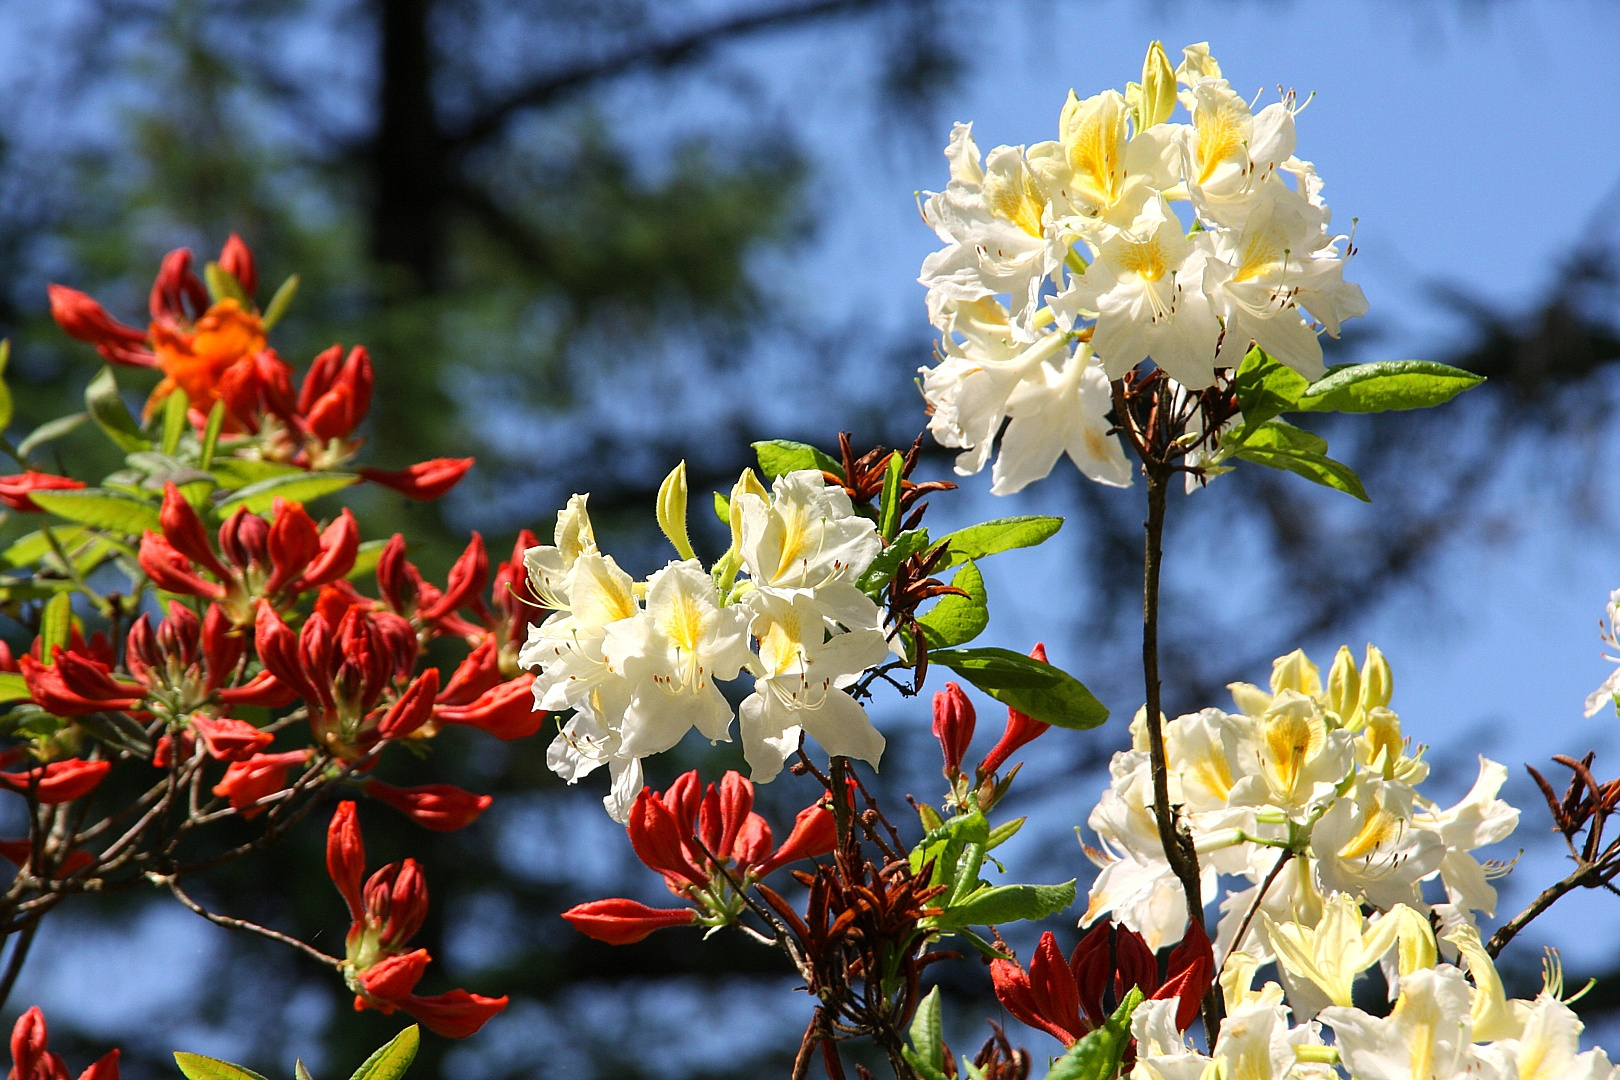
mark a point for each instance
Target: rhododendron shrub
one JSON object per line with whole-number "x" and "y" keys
{"x": 1145, "y": 294}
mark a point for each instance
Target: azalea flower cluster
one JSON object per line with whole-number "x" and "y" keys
{"x": 1067, "y": 263}
{"x": 640, "y": 662}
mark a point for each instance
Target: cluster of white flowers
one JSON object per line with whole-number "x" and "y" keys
{"x": 1320, "y": 777}
{"x": 1065, "y": 266}
{"x": 638, "y": 662}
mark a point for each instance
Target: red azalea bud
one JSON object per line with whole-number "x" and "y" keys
{"x": 440, "y": 807}
{"x": 754, "y": 841}
{"x": 279, "y": 651}
{"x": 396, "y": 976}
{"x": 1021, "y": 729}
{"x": 622, "y": 922}
{"x": 426, "y": 480}
{"x": 465, "y": 582}
{"x": 507, "y": 711}
{"x": 480, "y": 671}
{"x": 60, "y": 781}
{"x": 346, "y": 856}
{"x": 334, "y": 601}
{"x": 736, "y": 805}
{"x": 953, "y": 725}
{"x": 238, "y": 261}
{"x": 454, "y": 1015}
{"x": 172, "y": 572}
{"x": 228, "y": 739}
{"x": 685, "y": 800}
{"x": 294, "y": 542}
{"x": 339, "y": 544}
{"x": 1134, "y": 963}
{"x": 263, "y": 690}
{"x": 184, "y": 531}
{"x": 175, "y": 284}
{"x": 245, "y": 538}
{"x": 162, "y": 753}
{"x": 30, "y": 1060}
{"x": 222, "y": 648}
{"x": 397, "y": 897}
{"x": 1191, "y": 972}
{"x": 1045, "y": 997}
{"x": 658, "y": 839}
{"x": 413, "y": 709}
{"x": 260, "y": 776}
{"x": 397, "y": 579}
{"x": 179, "y": 635}
{"x": 1092, "y": 964}
{"x": 14, "y": 490}
{"x": 77, "y": 686}
{"x": 815, "y": 832}
{"x": 318, "y": 380}
{"x": 84, "y": 319}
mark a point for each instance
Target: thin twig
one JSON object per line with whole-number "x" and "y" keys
{"x": 242, "y": 924}
{"x": 19, "y": 954}
{"x": 1282, "y": 860}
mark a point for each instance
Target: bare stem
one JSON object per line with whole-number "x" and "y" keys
{"x": 14, "y": 965}
{"x": 242, "y": 924}
{"x": 1586, "y": 875}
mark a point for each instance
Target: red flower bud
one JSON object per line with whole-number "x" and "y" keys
{"x": 506, "y": 711}
{"x": 1045, "y": 997}
{"x": 279, "y": 650}
{"x": 60, "y": 781}
{"x": 622, "y": 922}
{"x": 413, "y": 709}
{"x": 222, "y": 648}
{"x": 397, "y": 897}
{"x": 175, "y": 284}
{"x": 245, "y": 538}
{"x": 815, "y": 832}
{"x": 736, "y": 806}
{"x": 260, "y": 776}
{"x": 339, "y": 544}
{"x": 184, "y": 531}
{"x": 659, "y": 840}
{"x": 953, "y": 725}
{"x": 440, "y": 807}
{"x": 14, "y": 490}
{"x": 397, "y": 579}
{"x": 465, "y": 582}
{"x": 426, "y": 480}
{"x": 454, "y": 1015}
{"x": 84, "y": 319}
{"x": 161, "y": 753}
{"x": 77, "y": 686}
{"x": 172, "y": 572}
{"x": 1190, "y": 973}
{"x": 238, "y": 261}
{"x": 754, "y": 841}
{"x": 1021, "y": 729}
{"x": 480, "y": 671}
{"x": 264, "y": 690}
{"x": 396, "y": 976}
{"x": 346, "y": 857}
{"x": 294, "y": 542}
{"x": 685, "y": 800}
{"x": 228, "y": 739}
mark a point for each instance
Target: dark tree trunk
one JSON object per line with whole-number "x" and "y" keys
{"x": 408, "y": 155}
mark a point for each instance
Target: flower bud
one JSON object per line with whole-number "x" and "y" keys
{"x": 245, "y": 539}
{"x": 1296, "y": 672}
{"x": 1157, "y": 95}
{"x": 397, "y": 897}
{"x": 621, "y": 922}
{"x": 60, "y": 781}
{"x": 672, "y": 511}
{"x": 815, "y": 832}
{"x": 394, "y": 977}
{"x": 453, "y": 1015}
{"x": 440, "y": 807}
{"x": 236, "y": 259}
{"x": 954, "y": 719}
{"x": 658, "y": 839}
{"x": 1344, "y": 688}
{"x": 506, "y": 711}
{"x": 174, "y": 285}
{"x": 424, "y": 481}
{"x": 1189, "y": 975}
{"x": 14, "y": 490}
{"x": 228, "y": 739}
{"x": 183, "y": 529}
{"x": 465, "y": 582}
{"x": 339, "y": 544}
{"x": 1021, "y": 729}
{"x": 413, "y": 709}
{"x": 346, "y": 856}
{"x": 84, "y": 319}
{"x": 1377, "y": 682}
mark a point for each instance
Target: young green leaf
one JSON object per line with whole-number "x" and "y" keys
{"x": 210, "y": 441}
{"x": 107, "y": 409}
{"x": 391, "y": 1061}
{"x": 1009, "y": 903}
{"x": 881, "y": 572}
{"x": 280, "y": 302}
{"x": 1387, "y": 385}
{"x": 1266, "y": 388}
{"x": 13, "y": 687}
{"x": 722, "y": 509}
{"x": 302, "y": 488}
{"x": 29, "y": 549}
{"x": 175, "y": 408}
{"x": 233, "y": 473}
{"x": 222, "y": 284}
{"x": 957, "y": 620}
{"x": 927, "y": 1039}
{"x": 197, "y": 1067}
{"x": 1044, "y": 692}
{"x": 5, "y": 391}
{"x": 1003, "y": 534}
{"x": 1277, "y": 434}
{"x": 55, "y": 626}
{"x": 52, "y": 429}
{"x": 1004, "y": 832}
{"x": 1316, "y": 467}
{"x": 100, "y": 508}
{"x": 889, "y": 521}
{"x": 779, "y": 456}
{"x": 300, "y": 1071}
{"x": 1098, "y": 1055}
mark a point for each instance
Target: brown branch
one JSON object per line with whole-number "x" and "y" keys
{"x": 242, "y": 924}
{"x": 1586, "y": 875}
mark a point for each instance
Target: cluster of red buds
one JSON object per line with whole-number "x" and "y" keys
{"x": 1066, "y": 998}
{"x": 954, "y": 722}
{"x": 274, "y": 561}
{"x": 214, "y": 349}
{"x": 710, "y": 846}
{"x": 31, "y": 1058}
{"x": 385, "y": 912}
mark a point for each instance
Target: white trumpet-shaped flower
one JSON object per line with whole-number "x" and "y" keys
{"x": 1057, "y": 411}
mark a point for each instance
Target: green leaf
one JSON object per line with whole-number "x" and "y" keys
{"x": 365, "y": 558}
{"x": 1266, "y": 388}
{"x": 107, "y": 409}
{"x": 893, "y": 480}
{"x": 1044, "y": 692}
{"x": 957, "y": 620}
{"x": 12, "y": 687}
{"x": 944, "y": 845}
{"x": 1009, "y": 903}
{"x": 1003, "y": 534}
{"x": 1277, "y": 434}
{"x": 1004, "y": 832}
{"x": 391, "y": 1061}
{"x": 197, "y": 1067}
{"x": 927, "y": 1038}
{"x": 53, "y": 429}
{"x": 55, "y": 626}
{"x": 280, "y": 301}
{"x": 210, "y": 441}
{"x": 1098, "y": 1055}
{"x": 1317, "y": 468}
{"x": 233, "y": 473}
{"x": 300, "y": 1071}
{"x": 1387, "y": 385}
{"x": 923, "y": 1068}
{"x": 222, "y": 284}
{"x": 100, "y": 508}
{"x": 175, "y": 407}
{"x": 780, "y": 456}
{"x": 881, "y": 572}
{"x": 965, "y": 879}
{"x": 722, "y": 509}
{"x": 5, "y": 391}
{"x": 29, "y": 549}
{"x": 302, "y": 488}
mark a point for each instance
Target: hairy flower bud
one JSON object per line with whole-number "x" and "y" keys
{"x": 954, "y": 719}
{"x": 1021, "y": 729}
{"x": 622, "y": 922}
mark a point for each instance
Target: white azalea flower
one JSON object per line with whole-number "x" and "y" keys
{"x": 1479, "y": 819}
{"x": 1301, "y": 760}
{"x": 548, "y": 565}
{"x": 1147, "y": 288}
{"x": 1228, "y": 152}
{"x": 583, "y": 746}
{"x": 1609, "y": 692}
{"x": 1549, "y": 1047}
{"x": 800, "y": 677}
{"x": 1056, "y": 411}
{"x": 1095, "y": 171}
{"x": 672, "y": 657}
{"x": 1367, "y": 846}
{"x": 1428, "y": 1036}
{"x": 567, "y": 647}
{"x": 807, "y": 536}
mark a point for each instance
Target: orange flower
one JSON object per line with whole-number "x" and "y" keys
{"x": 195, "y": 360}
